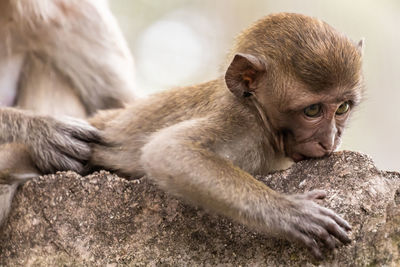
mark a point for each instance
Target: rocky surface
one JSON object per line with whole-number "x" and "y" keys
{"x": 101, "y": 219}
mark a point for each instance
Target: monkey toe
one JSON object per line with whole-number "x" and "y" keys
{"x": 316, "y": 194}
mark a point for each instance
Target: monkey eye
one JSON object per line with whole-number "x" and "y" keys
{"x": 313, "y": 111}
{"x": 343, "y": 108}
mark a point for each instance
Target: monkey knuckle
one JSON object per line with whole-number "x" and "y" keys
{"x": 306, "y": 209}
{"x": 319, "y": 222}
{"x": 315, "y": 208}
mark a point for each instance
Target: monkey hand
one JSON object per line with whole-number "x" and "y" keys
{"x": 311, "y": 224}
{"x": 59, "y": 145}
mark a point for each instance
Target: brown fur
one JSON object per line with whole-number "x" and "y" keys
{"x": 303, "y": 49}
{"x": 204, "y": 142}
{"x": 67, "y": 58}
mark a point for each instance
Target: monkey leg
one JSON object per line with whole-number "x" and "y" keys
{"x": 6, "y": 195}
{"x": 16, "y": 167}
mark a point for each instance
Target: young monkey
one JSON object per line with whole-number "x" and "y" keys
{"x": 289, "y": 90}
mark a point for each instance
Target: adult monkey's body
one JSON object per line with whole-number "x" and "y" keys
{"x": 288, "y": 92}
{"x": 57, "y": 57}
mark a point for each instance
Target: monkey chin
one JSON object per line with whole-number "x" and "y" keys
{"x": 296, "y": 157}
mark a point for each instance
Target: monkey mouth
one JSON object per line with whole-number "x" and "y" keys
{"x": 296, "y": 157}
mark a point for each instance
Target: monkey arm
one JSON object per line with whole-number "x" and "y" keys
{"x": 65, "y": 34}
{"x": 177, "y": 160}
{"x": 55, "y": 145}
{"x": 13, "y": 125}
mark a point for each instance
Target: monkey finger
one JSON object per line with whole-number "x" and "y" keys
{"x": 80, "y": 129}
{"x": 76, "y": 149}
{"x": 339, "y": 220}
{"x": 88, "y": 135}
{"x": 320, "y": 234}
{"x": 67, "y": 163}
{"x": 308, "y": 242}
{"x": 62, "y": 156}
{"x": 311, "y": 195}
{"x": 315, "y": 194}
{"x": 335, "y": 230}
{"x": 82, "y": 151}
{"x": 53, "y": 160}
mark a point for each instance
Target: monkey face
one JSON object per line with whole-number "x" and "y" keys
{"x": 315, "y": 130}
{"x": 304, "y": 91}
{"x": 309, "y": 115}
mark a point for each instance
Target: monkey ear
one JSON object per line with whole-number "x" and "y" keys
{"x": 242, "y": 74}
{"x": 361, "y": 46}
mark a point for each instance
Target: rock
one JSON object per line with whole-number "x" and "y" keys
{"x": 101, "y": 219}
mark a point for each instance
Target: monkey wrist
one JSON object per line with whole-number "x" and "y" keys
{"x": 13, "y": 125}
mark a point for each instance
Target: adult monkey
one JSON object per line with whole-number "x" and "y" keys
{"x": 288, "y": 92}
{"x": 57, "y": 57}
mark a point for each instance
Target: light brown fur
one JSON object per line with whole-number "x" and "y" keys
{"x": 57, "y": 58}
{"x": 205, "y": 142}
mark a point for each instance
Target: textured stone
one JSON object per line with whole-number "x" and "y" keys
{"x": 101, "y": 219}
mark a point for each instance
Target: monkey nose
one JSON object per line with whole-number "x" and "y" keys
{"x": 327, "y": 147}
{"x": 327, "y": 143}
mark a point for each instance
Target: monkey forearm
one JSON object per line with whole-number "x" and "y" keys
{"x": 207, "y": 180}
{"x": 186, "y": 169}
{"x": 13, "y": 125}
{"x": 204, "y": 179}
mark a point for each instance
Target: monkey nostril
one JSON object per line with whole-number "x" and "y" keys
{"x": 328, "y": 148}
{"x": 322, "y": 145}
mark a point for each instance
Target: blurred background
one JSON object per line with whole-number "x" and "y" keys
{"x": 182, "y": 42}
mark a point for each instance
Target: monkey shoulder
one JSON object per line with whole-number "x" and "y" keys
{"x": 241, "y": 140}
